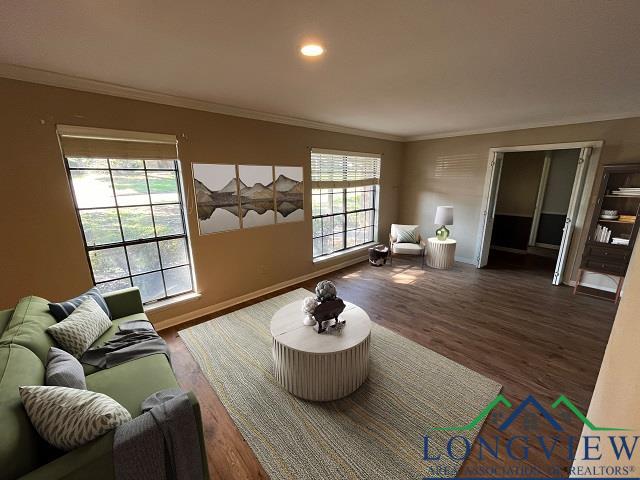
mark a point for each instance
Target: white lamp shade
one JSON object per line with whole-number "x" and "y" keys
{"x": 444, "y": 216}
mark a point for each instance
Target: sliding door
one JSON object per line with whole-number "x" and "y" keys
{"x": 572, "y": 213}
{"x": 489, "y": 211}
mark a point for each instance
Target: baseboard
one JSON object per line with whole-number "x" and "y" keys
{"x": 510, "y": 250}
{"x": 470, "y": 261}
{"x": 547, "y": 245}
{"x": 216, "y": 307}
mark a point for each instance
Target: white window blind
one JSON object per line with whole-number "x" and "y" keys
{"x": 333, "y": 169}
{"x": 127, "y": 190}
{"x": 90, "y": 142}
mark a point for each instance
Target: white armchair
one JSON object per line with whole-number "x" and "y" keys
{"x": 406, "y": 240}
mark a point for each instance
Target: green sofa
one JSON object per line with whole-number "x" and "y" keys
{"x": 24, "y": 345}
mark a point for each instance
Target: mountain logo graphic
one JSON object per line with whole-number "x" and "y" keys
{"x": 531, "y": 402}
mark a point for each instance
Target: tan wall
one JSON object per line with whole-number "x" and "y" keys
{"x": 519, "y": 182}
{"x": 424, "y": 187}
{"x": 41, "y": 246}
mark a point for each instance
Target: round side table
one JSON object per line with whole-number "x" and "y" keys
{"x": 320, "y": 366}
{"x": 441, "y": 253}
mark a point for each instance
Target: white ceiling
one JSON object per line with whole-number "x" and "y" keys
{"x": 406, "y": 68}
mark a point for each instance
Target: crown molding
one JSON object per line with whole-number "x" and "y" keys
{"x": 33, "y": 75}
{"x": 523, "y": 126}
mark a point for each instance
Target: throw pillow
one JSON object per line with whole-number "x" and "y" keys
{"x": 78, "y": 331}
{"x": 406, "y": 234}
{"x": 64, "y": 370}
{"x": 68, "y": 418}
{"x": 62, "y": 310}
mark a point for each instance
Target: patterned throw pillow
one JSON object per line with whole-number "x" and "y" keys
{"x": 64, "y": 370}
{"x": 406, "y": 234}
{"x": 68, "y": 418}
{"x": 78, "y": 331}
{"x": 62, "y": 310}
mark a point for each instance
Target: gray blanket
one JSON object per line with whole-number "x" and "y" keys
{"x": 160, "y": 444}
{"x": 134, "y": 339}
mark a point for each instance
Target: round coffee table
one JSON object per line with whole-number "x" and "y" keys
{"x": 320, "y": 366}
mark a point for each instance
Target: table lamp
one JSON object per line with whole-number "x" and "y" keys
{"x": 444, "y": 216}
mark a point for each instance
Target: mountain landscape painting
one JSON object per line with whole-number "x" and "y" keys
{"x": 256, "y": 195}
{"x": 216, "y": 191}
{"x": 289, "y": 187}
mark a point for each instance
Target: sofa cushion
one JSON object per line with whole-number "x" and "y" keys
{"x": 68, "y": 418}
{"x": 28, "y": 326}
{"x": 5, "y": 316}
{"x": 20, "y": 444}
{"x": 407, "y": 248}
{"x": 108, "y": 335}
{"x": 130, "y": 383}
{"x": 79, "y": 330}
{"x": 124, "y": 302}
{"x": 93, "y": 460}
{"x": 64, "y": 370}
{"x": 62, "y": 310}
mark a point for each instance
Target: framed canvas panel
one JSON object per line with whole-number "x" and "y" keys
{"x": 256, "y": 195}
{"x": 217, "y": 201}
{"x": 289, "y": 188}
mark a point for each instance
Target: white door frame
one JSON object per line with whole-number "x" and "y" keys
{"x": 490, "y": 192}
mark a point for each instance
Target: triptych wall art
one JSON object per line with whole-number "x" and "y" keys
{"x": 229, "y": 197}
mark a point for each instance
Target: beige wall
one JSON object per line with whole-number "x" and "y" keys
{"x": 41, "y": 246}
{"x": 425, "y": 186}
{"x": 519, "y": 183}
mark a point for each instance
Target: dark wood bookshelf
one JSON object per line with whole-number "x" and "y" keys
{"x": 605, "y": 257}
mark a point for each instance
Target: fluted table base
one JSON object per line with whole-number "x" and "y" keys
{"x": 320, "y": 366}
{"x": 441, "y": 253}
{"x": 321, "y": 377}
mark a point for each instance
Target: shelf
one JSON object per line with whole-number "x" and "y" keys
{"x": 595, "y": 243}
{"x": 615, "y": 221}
{"x": 622, "y": 196}
{"x": 609, "y": 244}
{"x": 592, "y": 292}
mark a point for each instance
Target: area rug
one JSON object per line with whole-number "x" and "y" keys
{"x": 376, "y": 432}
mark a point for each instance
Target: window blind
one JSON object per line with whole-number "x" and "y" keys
{"x": 332, "y": 169}
{"x": 84, "y": 142}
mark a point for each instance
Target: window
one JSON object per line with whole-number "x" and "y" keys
{"x": 131, "y": 215}
{"x": 345, "y": 196}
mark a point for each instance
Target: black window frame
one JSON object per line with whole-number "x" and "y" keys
{"x": 149, "y": 240}
{"x": 373, "y": 208}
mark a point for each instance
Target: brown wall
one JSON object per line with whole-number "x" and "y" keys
{"x": 41, "y": 246}
{"x": 424, "y": 186}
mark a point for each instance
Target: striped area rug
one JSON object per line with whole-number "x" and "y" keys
{"x": 377, "y": 432}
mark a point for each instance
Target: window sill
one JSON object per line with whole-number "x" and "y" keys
{"x": 342, "y": 253}
{"x": 170, "y": 302}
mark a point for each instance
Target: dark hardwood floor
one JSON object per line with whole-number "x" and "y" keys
{"x": 505, "y": 321}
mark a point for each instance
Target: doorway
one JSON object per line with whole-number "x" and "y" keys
{"x": 534, "y": 199}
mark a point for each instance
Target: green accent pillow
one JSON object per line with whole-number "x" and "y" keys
{"x": 406, "y": 235}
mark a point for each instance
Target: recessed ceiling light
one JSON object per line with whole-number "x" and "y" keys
{"x": 312, "y": 50}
